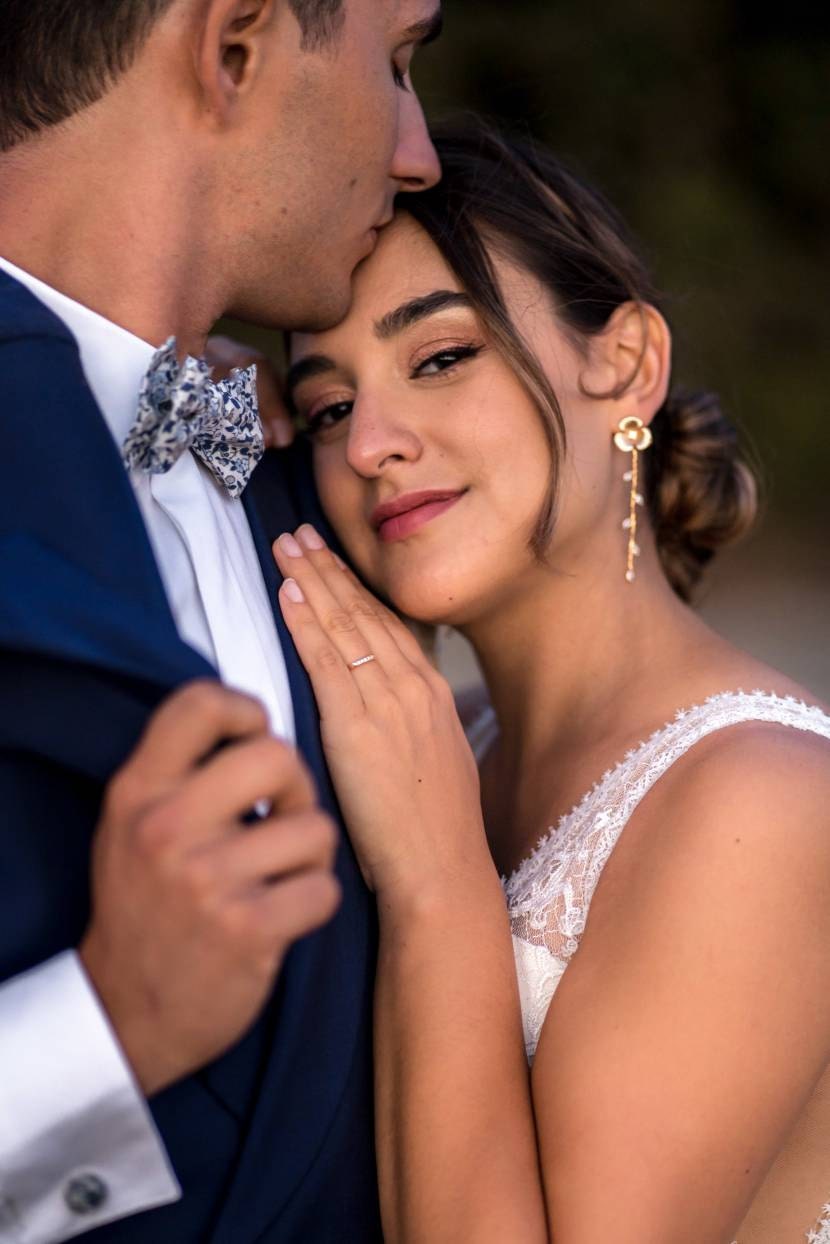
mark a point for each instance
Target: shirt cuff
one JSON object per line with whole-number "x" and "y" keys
{"x": 78, "y": 1146}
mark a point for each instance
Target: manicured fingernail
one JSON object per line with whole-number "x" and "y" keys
{"x": 289, "y": 546}
{"x": 309, "y": 537}
{"x": 293, "y": 591}
{"x": 339, "y": 561}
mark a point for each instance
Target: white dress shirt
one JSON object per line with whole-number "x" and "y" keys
{"x": 78, "y": 1147}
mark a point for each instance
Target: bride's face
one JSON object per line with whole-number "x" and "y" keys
{"x": 430, "y": 456}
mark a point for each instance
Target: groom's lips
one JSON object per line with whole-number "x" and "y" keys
{"x": 399, "y": 518}
{"x": 373, "y": 234}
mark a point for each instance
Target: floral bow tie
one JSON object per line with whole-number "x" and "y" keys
{"x": 181, "y": 408}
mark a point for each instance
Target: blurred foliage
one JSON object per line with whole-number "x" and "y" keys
{"x": 706, "y": 122}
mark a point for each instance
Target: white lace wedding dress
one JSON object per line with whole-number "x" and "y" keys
{"x": 550, "y": 893}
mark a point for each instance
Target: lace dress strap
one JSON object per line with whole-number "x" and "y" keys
{"x": 565, "y": 867}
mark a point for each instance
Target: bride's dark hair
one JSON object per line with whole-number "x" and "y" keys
{"x": 508, "y": 196}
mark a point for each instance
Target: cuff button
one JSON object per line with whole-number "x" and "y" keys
{"x": 84, "y": 1194}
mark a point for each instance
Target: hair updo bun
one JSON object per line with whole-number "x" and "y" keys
{"x": 701, "y": 494}
{"x": 510, "y": 196}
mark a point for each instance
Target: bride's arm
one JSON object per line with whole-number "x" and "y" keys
{"x": 456, "y": 1141}
{"x": 455, "y": 1134}
{"x": 692, "y": 1026}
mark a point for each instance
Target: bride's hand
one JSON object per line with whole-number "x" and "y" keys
{"x": 405, "y": 776}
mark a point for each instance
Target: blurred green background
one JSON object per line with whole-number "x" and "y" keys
{"x": 708, "y": 123}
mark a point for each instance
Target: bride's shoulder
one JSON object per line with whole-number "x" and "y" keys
{"x": 759, "y": 787}
{"x": 764, "y": 752}
{"x": 732, "y": 847}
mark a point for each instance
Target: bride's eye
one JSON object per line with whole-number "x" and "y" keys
{"x": 445, "y": 359}
{"x": 318, "y": 420}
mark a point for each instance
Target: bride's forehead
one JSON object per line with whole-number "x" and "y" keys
{"x": 405, "y": 265}
{"x": 403, "y": 262}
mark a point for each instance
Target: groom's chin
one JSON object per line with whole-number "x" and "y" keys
{"x": 320, "y": 320}
{"x": 306, "y": 314}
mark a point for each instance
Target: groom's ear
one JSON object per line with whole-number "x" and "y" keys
{"x": 230, "y": 50}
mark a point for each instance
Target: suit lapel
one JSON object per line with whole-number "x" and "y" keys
{"x": 271, "y": 511}
{"x": 79, "y": 586}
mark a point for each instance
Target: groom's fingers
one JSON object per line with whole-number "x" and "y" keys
{"x": 274, "y": 849}
{"x": 224, "y": 354}
{"x": 183, "y": 732}
{"x": 211, "y": 804}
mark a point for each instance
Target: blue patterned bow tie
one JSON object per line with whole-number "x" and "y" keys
{"x": 181, "y": 408}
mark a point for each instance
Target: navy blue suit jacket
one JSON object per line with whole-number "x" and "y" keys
{"x": 273, "y": 1142}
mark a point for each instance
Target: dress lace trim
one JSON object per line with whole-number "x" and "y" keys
{"x": 820, "y": 1233}
{"x": 559, "y": 877}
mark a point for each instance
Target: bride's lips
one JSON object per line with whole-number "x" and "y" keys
{"x": 399, "y": 518}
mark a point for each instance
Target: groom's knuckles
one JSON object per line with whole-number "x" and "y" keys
{"x": 241, "y": 775}
{"x": 188, "y": 725}
{"x": 207, "y": 713}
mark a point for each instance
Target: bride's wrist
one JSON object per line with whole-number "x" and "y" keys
{"x": 411, "y": 900}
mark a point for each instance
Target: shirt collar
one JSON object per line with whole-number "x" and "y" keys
{"x": 114, "y": 360}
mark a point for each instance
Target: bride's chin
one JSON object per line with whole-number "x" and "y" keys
{"x": 436, "y": 592}
{"x": 427, "y": 609}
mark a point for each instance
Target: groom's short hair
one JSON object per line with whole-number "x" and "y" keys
{"x": 59, "y": 56}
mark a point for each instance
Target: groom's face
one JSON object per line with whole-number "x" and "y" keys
{"x": 331, "y": 135}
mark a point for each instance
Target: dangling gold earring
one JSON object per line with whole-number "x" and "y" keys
{"x": 632, "y": 437}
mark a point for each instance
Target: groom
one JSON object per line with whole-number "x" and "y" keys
{"x": 170, "y": 1071}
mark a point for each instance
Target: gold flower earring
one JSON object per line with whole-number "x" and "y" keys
{"x": 632, "y": 437}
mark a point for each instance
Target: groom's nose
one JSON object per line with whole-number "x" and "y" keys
{"x": 415, "y": 165}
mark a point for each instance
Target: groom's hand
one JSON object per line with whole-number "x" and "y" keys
{"x": 224, "y": 354}
{"x": 193, "y": 910}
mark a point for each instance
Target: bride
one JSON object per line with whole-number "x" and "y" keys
{"x": 603, "y": 993}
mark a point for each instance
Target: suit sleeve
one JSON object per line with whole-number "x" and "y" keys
{"x": 78, "y": 1147}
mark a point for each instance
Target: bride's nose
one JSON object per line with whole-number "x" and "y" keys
{"x": 379, "y": 436}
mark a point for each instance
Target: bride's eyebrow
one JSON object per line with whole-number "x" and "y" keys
{"x": 305, "y": 369}
{"x": 389, "y": 325}
{"x": 416, "y": 309}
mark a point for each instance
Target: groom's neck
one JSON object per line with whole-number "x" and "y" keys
{"x": 114, "y": 225}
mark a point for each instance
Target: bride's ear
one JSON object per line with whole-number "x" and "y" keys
{"x": 230, "y": 50}
{"x": 629, "y": 362}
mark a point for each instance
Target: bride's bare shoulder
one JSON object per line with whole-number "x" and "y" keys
{"x": 756, "y": 791}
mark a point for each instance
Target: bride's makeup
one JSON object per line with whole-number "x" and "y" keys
{"x": 428, "y": 451}
{"x": 320, "y": 409}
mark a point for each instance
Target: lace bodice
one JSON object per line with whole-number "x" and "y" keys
{"x": 549, "y": 894}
